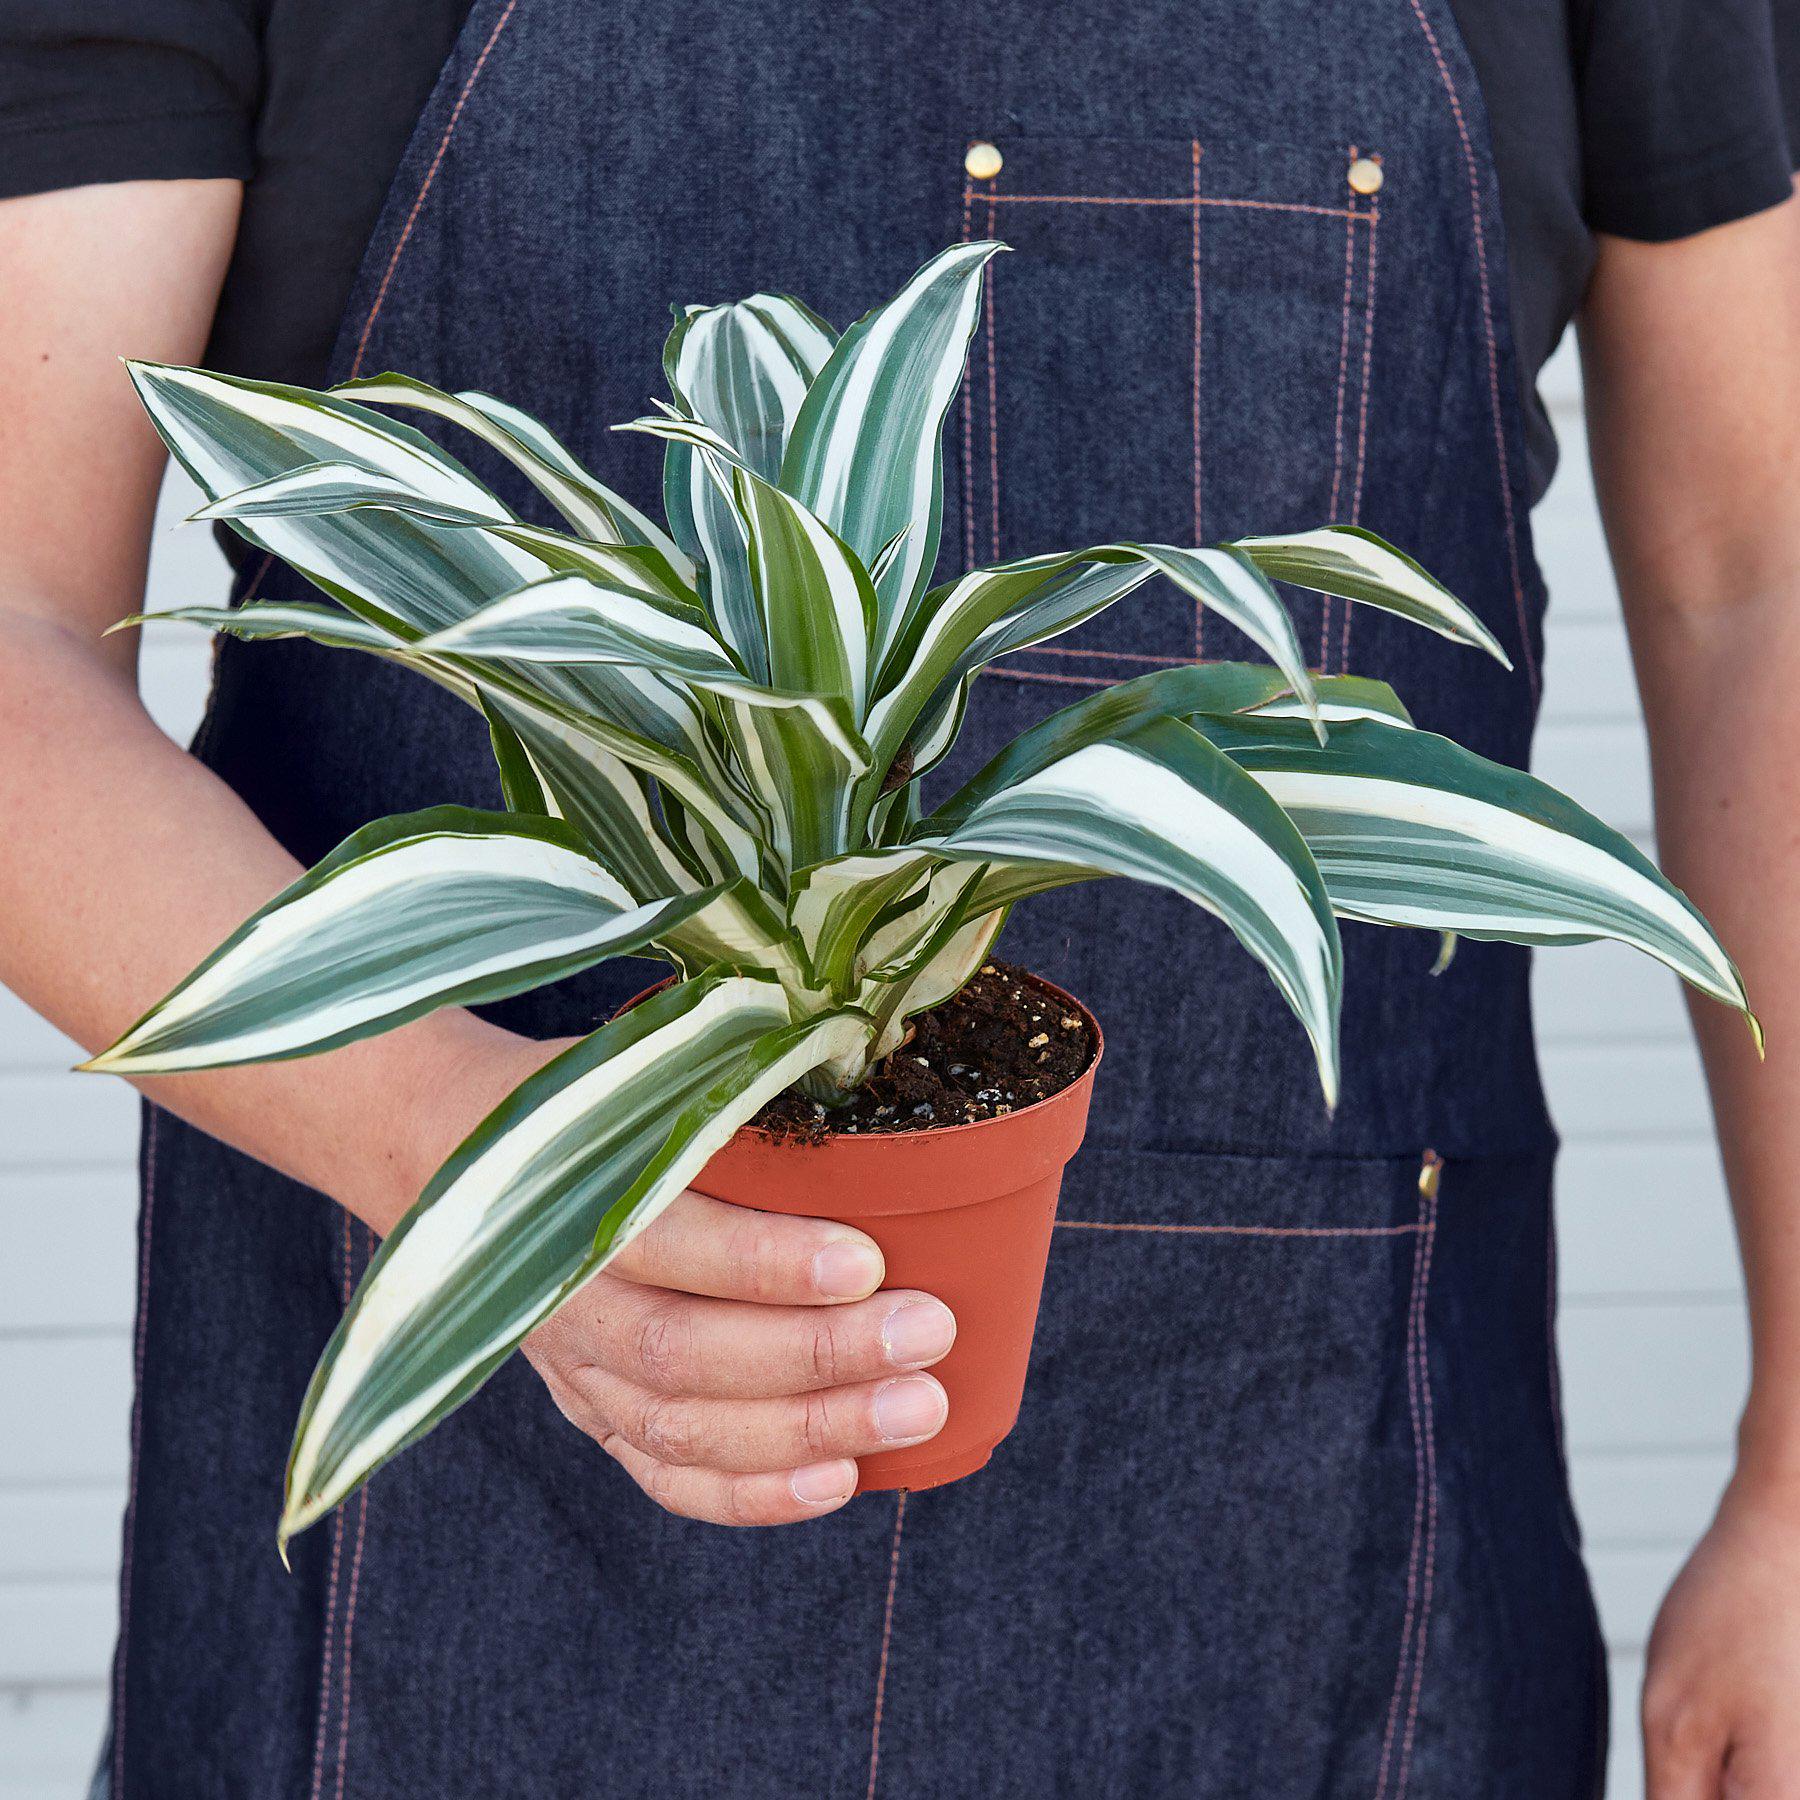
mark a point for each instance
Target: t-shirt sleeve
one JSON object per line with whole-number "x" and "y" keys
{"x": 126, "y": 90}
{"x": 1685, "y": 112}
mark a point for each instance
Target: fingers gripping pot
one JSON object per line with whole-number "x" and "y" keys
{"x": 964, "y": 1212}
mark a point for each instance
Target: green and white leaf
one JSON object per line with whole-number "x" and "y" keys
{"x": 1409, "y": 828}
{"x": 231, "y": 434}
{"x": 958, "y": 628}
{"x": 557, "y": 1180}
{"x": 1354, "y": 564}
{"x": 445, "y": 907}
{"x": 866, "y": 452}
{"x": 588, "y": 504}
{"x": 1158, "y": 804}
{"x": 336, "y": 487}
{"x": 567, "y": 619}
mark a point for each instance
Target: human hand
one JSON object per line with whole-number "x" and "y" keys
{"x": 735, "y": 1362}
{"x": 1721, "y": 1719}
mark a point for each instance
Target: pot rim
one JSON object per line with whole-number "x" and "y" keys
{"x": 938, "y": 1132}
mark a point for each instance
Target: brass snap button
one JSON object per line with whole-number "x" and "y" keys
{"x": 1365, "y": 176}
{"x": 983, "y": 161}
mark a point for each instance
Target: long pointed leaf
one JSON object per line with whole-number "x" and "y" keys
{"x": 430, "y": 909}
{"x": 1160, "y": 805}
{"x": 1409, "y": 828}
{"x": 589, "y": 505}
{"x": 555, "y": 1182}
{"x": 866, "y": 453}
{"x": 1353, "y": 564}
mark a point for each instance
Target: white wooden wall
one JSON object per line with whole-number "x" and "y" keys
{"x": 1652, "y": 1328}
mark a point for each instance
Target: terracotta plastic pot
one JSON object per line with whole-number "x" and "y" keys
{"x": 964, "y": 1213}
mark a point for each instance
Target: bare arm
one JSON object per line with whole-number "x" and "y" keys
{"x": 127, "y": 861}
{"x": 1692, "y": 357}
{"x": 732, "y": 1362}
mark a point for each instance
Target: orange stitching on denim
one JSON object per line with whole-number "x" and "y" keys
{"x": 462, "y": 100}
{"x": 362, "y": 1526}
{"x": 328, "y": 1654}
{"x": 1337, "y": 420}
{"x": 1415, "y": 1324}
{"x": 1473, "y": 171}
{"x": 1199, "y": 605}
{"x": 1428, "y": 1182}
{"x": 1041, "y": 675}
{"x": 1269, "y": 1231}
{"x": 968, "y": 420}
{"x": 993, "y": 406}
{"x": 1362, "y": 420}
{"x": 1284, "y": 206}
{"x": 1141, "y": 656}
{"x": 887, "y": 1634}
{"x": 139, "y": 1332}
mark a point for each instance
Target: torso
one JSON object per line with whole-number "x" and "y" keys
{"x": 1285, "y": 1512}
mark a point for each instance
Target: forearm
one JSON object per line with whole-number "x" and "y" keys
{"x": 127, "y": 861}
{"x": 1718, "y": 687}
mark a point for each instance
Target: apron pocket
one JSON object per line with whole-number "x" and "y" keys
{"x": 1179, "y": 353}
{"x": 1196, "y": 1567}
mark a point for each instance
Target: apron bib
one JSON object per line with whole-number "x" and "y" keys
{"x": 1285, "y": 1513}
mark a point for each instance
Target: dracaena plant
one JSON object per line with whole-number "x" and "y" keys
{"x": 711, "y": 737}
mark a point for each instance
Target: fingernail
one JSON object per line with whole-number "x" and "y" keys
{"x": 909, "y": 1409}
{"x": 846, "y": 1270}
{"x": 918, "y": 1332}
{"x": 820, "y": 1484}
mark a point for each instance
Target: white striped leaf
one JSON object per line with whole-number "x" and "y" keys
{"x": 230, "y": 434}
{"x": 958, "y": 628}
{"x": 804, "y": 756}
{"x": 636, "y": 567}
{"x": 444, "y": 907}
{"x": 1409, "y": 828}
{"x": 835, "y": 905}
{"x": 866, "y": 453}
{"x": 1354, "y": 564}
{"x": 742, "y": 371}
{"x": 804, "y": 618}
{"x": 589, "y": 505}
{"x": 1341, "y": 698}
{"x": 335, "y": 487}
{"x": 1158, "y": 804}
{"x": 698, "y": 464}
{"x": 544, "y": 1193}
{"x": 577, "y": 619}
{"x": 595, "y": 771}
{"x": 609, "y": 802}
{"x": 270, "y": 619}
{"x": 814, "y": 599}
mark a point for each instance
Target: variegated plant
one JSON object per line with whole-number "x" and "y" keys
{"x": 711, "y": 739}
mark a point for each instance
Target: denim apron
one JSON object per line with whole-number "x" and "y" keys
{"x": 1285, "y": 1513}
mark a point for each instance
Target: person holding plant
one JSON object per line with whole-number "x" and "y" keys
{"x": 1285, "y": 1512}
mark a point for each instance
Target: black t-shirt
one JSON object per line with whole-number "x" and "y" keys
{"x": 1649, "y": 119}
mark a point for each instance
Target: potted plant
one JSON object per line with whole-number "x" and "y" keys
{"x": 711, "y": 740}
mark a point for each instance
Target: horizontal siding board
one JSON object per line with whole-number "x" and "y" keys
{"x": 1587, "y": 671}
{"x": 60, "y": 1533}
{"x": 1635, "y": 1221}
{"x": 51, "y": 1438}
{"x": 65, "y": 1121}
{"x": 1607, "y": 993}
{"x": 1646, "y": 1501}
{"x": 70, "y": 1261}
{"x": 57, "y": 1631}
{"x": 1625, "y": 1091}
{"x": 50, "y": 1740}
{"x": 1668, "y": 1375}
